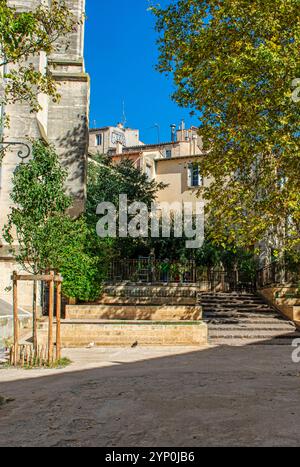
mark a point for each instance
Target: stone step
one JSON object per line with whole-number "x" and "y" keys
{"x": 232, "y": 304}
{"x": 229, "y": 296}
{"x": 251, "y": 328}
{"x": 245, "y": 322}
{"x": 229, "y": 306}
{"x": 152, "y": 291}
{"x": 256, "y": 334}
{"x": 242, "y": 314}
{"x": 194, "y": 285}
{"x": 249, "y": 342}
{"x": 130, "y": 312}
{"x": 112, "y": 300}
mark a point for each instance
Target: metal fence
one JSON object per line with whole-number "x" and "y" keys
{"x": 278, "y": 274}
{"x": 188, "y": 272}
{"x": 151, "y": 271}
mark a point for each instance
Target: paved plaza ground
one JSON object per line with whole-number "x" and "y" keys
{"x": 156, "y": 397}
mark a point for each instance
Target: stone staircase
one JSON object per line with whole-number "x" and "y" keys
{"x": 141, "y": 302}
{"x": 136, "y": 314}
{"x": 241, "y": 319}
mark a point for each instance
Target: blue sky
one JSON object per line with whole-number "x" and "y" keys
{"x": 121, "y": 55}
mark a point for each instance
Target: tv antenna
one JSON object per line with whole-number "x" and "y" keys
{"x": 158, "y": 132}
{"x": 124, "y": 120}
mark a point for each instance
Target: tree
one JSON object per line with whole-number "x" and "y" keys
{"x": 46, "y": 236}
{"x": 234, "y": 62}
{"x": 38, "y": 196}
{"x": 24, "y": 35}
{"x": 81, "y": 258}
{"x": 106, "y": 182}
{"x": 41, "y": 234}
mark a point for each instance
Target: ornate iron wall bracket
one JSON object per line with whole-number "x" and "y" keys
{"x": 23, "y": 153}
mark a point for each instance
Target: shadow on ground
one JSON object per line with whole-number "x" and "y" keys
{"x": 223, "y": 396}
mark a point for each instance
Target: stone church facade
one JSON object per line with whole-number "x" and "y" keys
{"x": 64, "y": 124}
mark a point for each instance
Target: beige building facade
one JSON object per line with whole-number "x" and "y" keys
{"x": 112, "y": 138}
{"x": 65, "y": 124}
{"x": 173, "y": 163}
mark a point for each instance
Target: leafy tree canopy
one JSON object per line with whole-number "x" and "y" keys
{"x": 42, "y": 235}
{"x": 106, "y": 182}
{"x": 234, "y": 62}
{"x": 22, "y": 36}
{"x": 39, "y": 197}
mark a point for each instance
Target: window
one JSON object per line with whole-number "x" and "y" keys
{"x": 194, "y": 176}
{"x": 149, "y": 171}
{"x": 98, "y": 140}
{"x": 118, "y": 138}
{"x": 168, "y": 153}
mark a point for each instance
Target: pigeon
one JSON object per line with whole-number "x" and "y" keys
{"x": 91, "y": 345}
{"x": 6, "y": 400}
{"x": 134, "y": 345}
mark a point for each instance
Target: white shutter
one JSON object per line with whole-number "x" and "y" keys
{"x": 200, "y": 178}
{"x": 189, "y": 175}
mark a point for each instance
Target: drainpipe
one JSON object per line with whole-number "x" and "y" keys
{"x": 2, "y": 105}
{"x": 2, "y": 109}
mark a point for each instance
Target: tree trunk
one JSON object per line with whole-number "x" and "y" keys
{"x": 34, "y": 316}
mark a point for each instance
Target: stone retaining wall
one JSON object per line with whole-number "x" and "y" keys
{"x": 82, "y": 333}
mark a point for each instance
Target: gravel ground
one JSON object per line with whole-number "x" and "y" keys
{"x": 156, "y": 397}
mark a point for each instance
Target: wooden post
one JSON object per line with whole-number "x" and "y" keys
{"x": 50, "y": 330}
{"x": 58, "y": 322}
{"x": 16, "y": 318}
{"x": 34, "y": 317}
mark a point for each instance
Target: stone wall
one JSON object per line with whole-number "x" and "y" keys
{"x": 65, "y": 124}
{"x": 278, "y": 296}
{"x": 82, "y": 333}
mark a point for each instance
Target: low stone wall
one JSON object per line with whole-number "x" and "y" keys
{"x": 81, "y": 334}
{"x": 108, "y": 300}
{"x": 289, "y": 307}
{"x": 125, "y": 290}
{"x": 25, "y": 292}
{"x": 135, "y": 312}
{"x": 7, "y": 327}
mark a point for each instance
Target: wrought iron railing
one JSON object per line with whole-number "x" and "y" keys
{"x": 151, "y": 271}
{"x": 278, "y": 273}
{"x": 148, "y": 270}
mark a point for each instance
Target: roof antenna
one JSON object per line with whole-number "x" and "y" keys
{"x": 158, "y": 132}
{"x": 95, "y": 124}
{"x": 124, "y": 120}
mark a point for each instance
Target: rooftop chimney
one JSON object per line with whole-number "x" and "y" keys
{"x": 119, "y": 148}
{"x": 173, "y": 133}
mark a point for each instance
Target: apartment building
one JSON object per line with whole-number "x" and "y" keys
{"x": 173, "y": 163}
{"x": 112, "y": 138}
